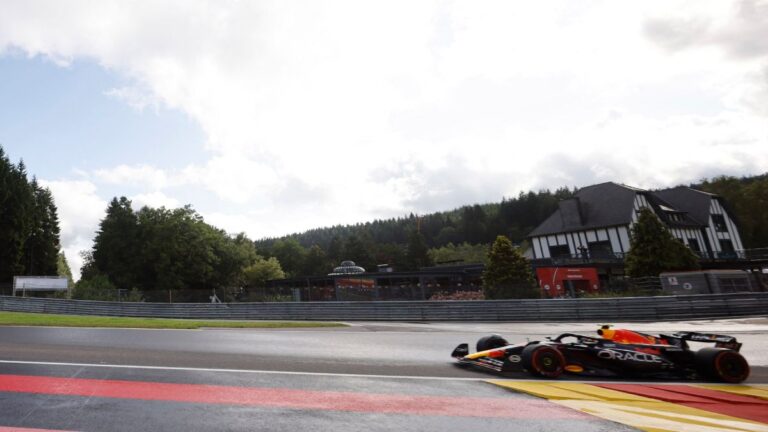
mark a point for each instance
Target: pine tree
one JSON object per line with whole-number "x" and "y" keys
{"x": 62, "y": 268}
{"x": 654, "y": 250}
{"x": 508, "y": 273}
{"x": 16, "y": 212}
{"x": 473, "y": 224}
{"x": 417, "y": 255}
{"x": 355, "y": 250}
{"x": 6, "y": 217}
{"x": 316, "y": 262}
{"x": 336, "y": 250}
{"x": 41, "y": 247}
{"x": 116, "y": 246}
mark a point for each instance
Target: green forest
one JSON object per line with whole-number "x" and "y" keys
{"x": 156, "y": 252}
{"x": 410, "y": 242}
{"x": 29, "y": 226}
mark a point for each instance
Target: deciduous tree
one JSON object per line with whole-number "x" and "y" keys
{"x": 258, "y": 273}
{"x": 508, "y": 273}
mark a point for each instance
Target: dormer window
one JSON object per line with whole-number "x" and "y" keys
{"x": 719, "y": 222}
{"x": 671, "y": 214}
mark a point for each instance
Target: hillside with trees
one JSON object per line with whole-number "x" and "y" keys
{"x": 407, "y": 243}
{"x": 465, "y": 234}
{"x": 29, "y": 225}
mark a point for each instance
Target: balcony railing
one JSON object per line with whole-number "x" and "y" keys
{"x": 737, "y": 255}
{"x": 618, "y": 257}
{"x": 581, "y": 258}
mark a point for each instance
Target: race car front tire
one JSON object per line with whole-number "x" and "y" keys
{"x": 722, "y": 365}
{"x": 491, "y": 342}
{"x": 543, "y": 360}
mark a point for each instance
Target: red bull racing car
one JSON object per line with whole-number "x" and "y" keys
{"x": 614, "y": 353}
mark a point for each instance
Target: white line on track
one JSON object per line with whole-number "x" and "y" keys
{"x": 328, "y": 374}
{"x": 250, "y": 371}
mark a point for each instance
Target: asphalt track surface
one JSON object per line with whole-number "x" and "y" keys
{"x": 377, "y": 376}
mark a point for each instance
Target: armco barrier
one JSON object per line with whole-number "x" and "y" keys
{"x": 595, "y": 310}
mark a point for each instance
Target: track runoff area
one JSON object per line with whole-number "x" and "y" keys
{"x": 162, "y": 383}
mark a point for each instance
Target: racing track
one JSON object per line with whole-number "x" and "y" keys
{"x": 380, "y": 376}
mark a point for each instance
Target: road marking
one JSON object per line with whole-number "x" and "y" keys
{"x": 20, "y": 429}
{"x": 755, "y": 390}
{"x": 646, "y": 413}
{"x": 740, "y": 406}
{"x": 453, "y": 406}
{"x": 480, "y": 378}
{"x": 746, "y": 407}
{"x": 247, "y": 371}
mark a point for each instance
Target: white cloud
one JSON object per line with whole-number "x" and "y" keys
{"x": 141, "y": 175}
{"x": 323, "y": 113}
{"x": 153, "y": 199}
{"x": 137, "y": 98}
{"x": 80, "y": 209}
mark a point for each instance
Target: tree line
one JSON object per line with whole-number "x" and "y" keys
{"x": 411, "y": 242}
{"x": 173, "y": 255}
{"x": 169, "y": 255}
{"x": 29, "y": 225}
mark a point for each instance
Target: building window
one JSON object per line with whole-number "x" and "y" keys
{"x": 694, "y": 245}
{"x": 719, "y": 222}
{"x": 726, "y": 245}
{"x": 726, "y": 250}
{"x": 674, "y": 217}
{"x": 601, "y": 249}
{"x": 559, "y": 251}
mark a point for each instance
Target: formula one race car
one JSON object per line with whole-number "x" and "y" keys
{"x": 614, "y": 353}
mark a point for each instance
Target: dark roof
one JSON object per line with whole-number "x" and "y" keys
{"x": 612, "y": 204}
{"x": 600, "y": 205}
{"x": 694, "y": 202}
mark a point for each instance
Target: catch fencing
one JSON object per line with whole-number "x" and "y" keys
{"x": 597, "y": 310}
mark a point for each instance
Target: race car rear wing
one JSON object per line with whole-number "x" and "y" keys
{"x": 720, "y": 341}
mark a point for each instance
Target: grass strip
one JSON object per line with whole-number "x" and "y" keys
{"x": 38, "y": 319}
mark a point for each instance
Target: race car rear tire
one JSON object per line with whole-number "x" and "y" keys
{"x": 722, "y": 365}
{"x": 491, "y": 342}
{"x": 543, "y": 360}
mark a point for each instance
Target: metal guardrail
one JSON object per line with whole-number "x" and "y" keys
{"x": 597, "y": 310}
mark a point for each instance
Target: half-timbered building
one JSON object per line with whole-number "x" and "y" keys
{"x": 596, "y": 223}
{"x": 582, "y": 245}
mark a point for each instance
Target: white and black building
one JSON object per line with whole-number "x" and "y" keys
{"x": 596, "y": 224}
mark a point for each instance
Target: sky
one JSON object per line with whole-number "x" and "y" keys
{"x": 274, "y": 117}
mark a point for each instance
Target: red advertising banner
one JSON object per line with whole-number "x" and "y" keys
{"x": 567, "y": 281}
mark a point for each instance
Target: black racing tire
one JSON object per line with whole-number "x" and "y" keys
{"x": 721, "y": 364}
{"x": 543, "y": 360}
{"x": 491, "y": 342}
